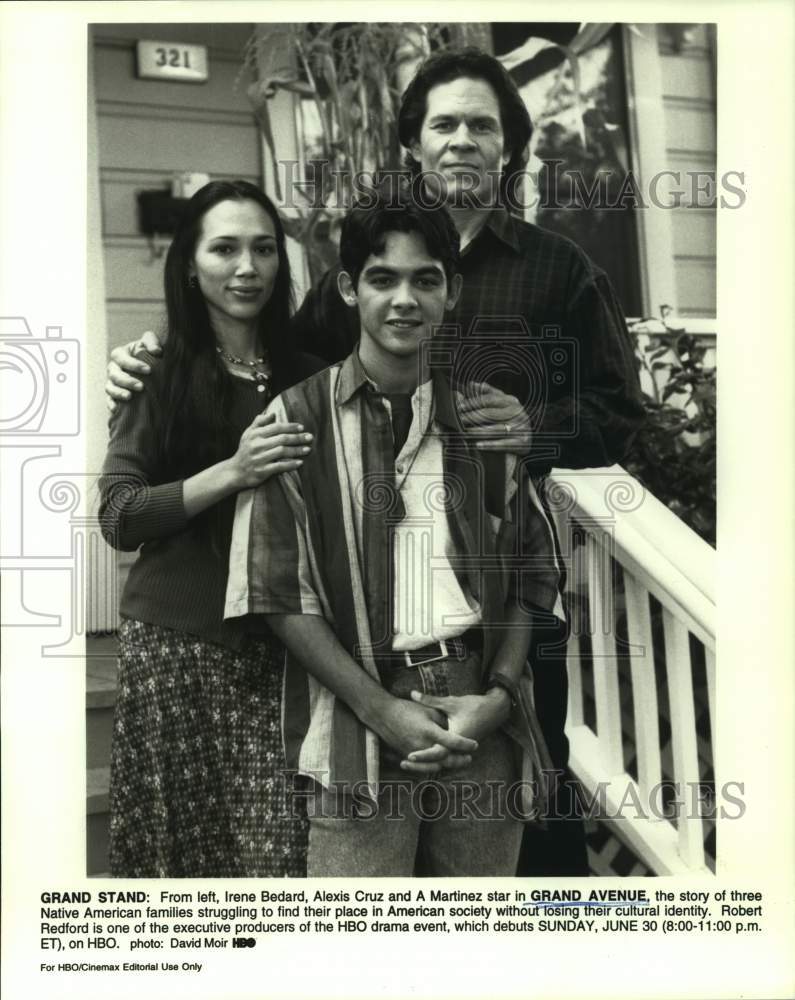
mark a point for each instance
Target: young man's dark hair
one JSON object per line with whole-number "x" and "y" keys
{"x": 387, "y": 210}
{"x": 476, "y": 65}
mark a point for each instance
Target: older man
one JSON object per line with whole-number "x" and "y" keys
{"x": 539, "y": 327}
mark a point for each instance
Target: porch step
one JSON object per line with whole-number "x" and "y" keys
{"x": 101, "y": 688}
{"x": 97, "y": 821}
{"x": 97, "y": 787}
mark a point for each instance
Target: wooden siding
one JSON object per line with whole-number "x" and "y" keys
{"x": 690, "y": 123}
{"x": 148, "y": 131}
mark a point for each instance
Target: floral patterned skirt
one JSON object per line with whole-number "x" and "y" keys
{"x": 196, "y": 787}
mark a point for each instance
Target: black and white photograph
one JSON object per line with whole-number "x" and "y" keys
{"x": 583, "y": 342}
{"x": 396, "y": 438}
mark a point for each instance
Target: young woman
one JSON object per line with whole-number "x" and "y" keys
{"x": 196, "y": 783}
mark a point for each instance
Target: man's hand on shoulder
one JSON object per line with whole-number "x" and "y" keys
{"x": 125, "y": 364}
{"x": 495, "y": 420}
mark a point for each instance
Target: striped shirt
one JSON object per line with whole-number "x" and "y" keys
{"x": 319, "y": 541}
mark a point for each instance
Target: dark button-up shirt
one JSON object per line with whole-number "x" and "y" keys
{"x": 538, "y": 319}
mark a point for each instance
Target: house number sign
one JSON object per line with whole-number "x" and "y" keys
{"x": 172, "y": 61}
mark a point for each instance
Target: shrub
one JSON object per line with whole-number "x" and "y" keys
{"x": 674, "y": 454}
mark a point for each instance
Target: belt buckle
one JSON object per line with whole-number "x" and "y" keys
{"x": 443, "y": 655}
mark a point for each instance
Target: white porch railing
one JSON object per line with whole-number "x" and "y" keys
{"x": 622, "y": 546}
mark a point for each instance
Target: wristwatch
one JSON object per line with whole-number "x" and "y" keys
{"x": 507, "y": 685}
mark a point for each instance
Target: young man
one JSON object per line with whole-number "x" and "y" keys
{"x": 403, "y": 568}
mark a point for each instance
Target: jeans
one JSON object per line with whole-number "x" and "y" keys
{"x": 457, "y": 824}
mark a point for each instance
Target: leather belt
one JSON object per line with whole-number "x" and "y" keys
{"x": 446, "y": 649}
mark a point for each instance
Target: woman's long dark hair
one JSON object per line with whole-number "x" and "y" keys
{"x": 196, "y": 386}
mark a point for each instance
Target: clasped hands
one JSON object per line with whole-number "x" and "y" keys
{"x": 434, "y": 734}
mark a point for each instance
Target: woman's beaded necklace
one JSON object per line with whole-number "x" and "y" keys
{"x": 259, "y": 367}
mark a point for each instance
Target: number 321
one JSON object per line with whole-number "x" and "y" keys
{"x": 172, "y": 57}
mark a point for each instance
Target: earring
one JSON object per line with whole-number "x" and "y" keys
{"x": 193, "y": 281}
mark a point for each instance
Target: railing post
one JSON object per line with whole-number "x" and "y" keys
{"x": 644, "y": 685}
{"x": 603, "y": 645}
{"x": 709, "y": 656}
{"x": 683, "y": 737}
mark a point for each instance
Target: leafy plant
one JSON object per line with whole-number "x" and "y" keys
{"x": 674, "y": 454}
{"x": 350, "y": 78}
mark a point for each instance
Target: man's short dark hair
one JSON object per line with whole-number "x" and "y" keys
{"x": 389, "y": 209}
{"x": 476, "y": 65}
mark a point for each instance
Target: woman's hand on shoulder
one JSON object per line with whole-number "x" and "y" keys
{"x": 267, "y": 448}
